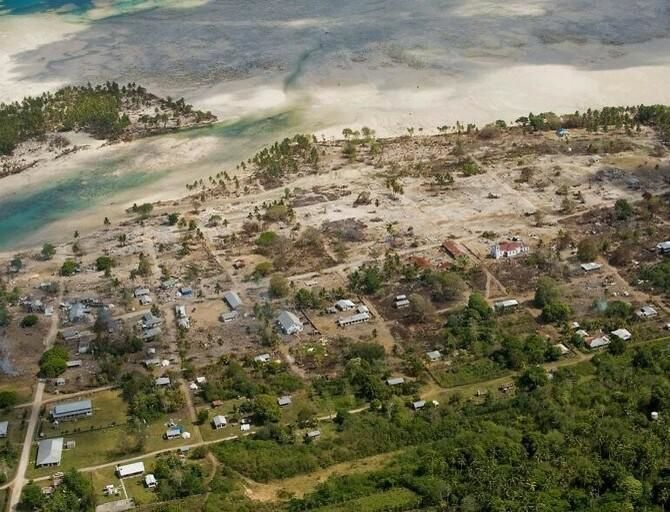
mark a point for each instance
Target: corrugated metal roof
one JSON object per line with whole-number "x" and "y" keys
{"x": 289, "y": 322}
{"x": 233, "y": 299}
{"x": 130, "y": 469}
{"x": 72, "y": 408}
{"x": 284, "y": 400}
{"x": 49, "y": 451}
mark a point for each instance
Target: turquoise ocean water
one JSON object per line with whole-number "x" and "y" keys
{"x": 52, "y": 200}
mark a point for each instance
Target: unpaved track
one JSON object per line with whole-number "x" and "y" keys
{"x": 19, "y": 480}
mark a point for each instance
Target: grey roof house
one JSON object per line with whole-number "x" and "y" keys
{"x": 72, "y": 410}
{"x": 289, "y": 323}
{"x": 233, "y": 299}
{"x": 49, "y": 452}
{"x": 77, "y": 312}
{"x": 263, "y": 358}
{"x": 434, "y": 355}
{"x": 284, "y": 400}
{"x": 4, "y": 425}
{"x": 149, "y": 321}
{"x": 219, "y": 421}
{"x": 140, "y": 292}
{"x": 151, "y": 333}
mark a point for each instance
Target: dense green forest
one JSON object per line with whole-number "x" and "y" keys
{"x": 100, "y": 111}
{"x": 74, "y": 494}
{"x": 607, "y": 118}
{"x": 582, "y": 440}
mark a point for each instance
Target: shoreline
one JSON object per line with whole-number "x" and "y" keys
{"x": 96, "y": 144}
{"x": 163, "y": 156}
{"x": 89, "y": 220}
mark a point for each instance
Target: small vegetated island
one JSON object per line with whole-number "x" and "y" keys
{"x": 109, "y": 112}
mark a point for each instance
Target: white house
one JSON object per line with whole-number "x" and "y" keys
{"x": 646, "y": 312}
{"x": 345, "y": 304}
{"x": 504, "y": 305}
{"x": 285, "y": 400}
{"x": 419, "y": 404}
{"x": 233, "y": 299}
{"x": 358, "y": 318}
{"x": 219, "y": 422}
{"x": 136, "y": 468}
{"x": 263, "y": 358}
{"x": 141, "y": 292}
{"x": 508, "y": 249}
{"x": 49, "y": 452}
{"x": 434, "y": 355}
{"x": 663, "y": 247}
{"x": 150, "y": 481}
{"x": 622, "y": 334}
{"x": 600, "y": 341}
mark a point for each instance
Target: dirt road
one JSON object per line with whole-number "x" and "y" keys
{"x": 19, "y": 480}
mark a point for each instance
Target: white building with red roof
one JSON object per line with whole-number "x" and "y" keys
{"x": 508, "y": 249}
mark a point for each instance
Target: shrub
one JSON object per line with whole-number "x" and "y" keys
{"x": 266, "y": 239}
{"x": 8, "y": 399}
{"x": 69, "y": 268}
{"x": 104, "y": 263}
{"x": 53, "y": 362}
{"x": 48, "y": 251}
{"x": 279, "y": 286}
{"x": 556, "y": 312}
{"x": 546, "y": 292}
{"x": 587, "y": 250}
{"x": 622, "y": 209}
{"x": 29, "y": 321}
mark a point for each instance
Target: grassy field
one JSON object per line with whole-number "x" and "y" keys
{"x": 469, "y": 373}
{"x": 22, "y": 386}
{"x": 156, "y": 429}
{"x": 395, "y": 499}
{"x": 519, "y": 323}
{"x": 302, "y": 484}
{"x": 102, "y": 477}
{"x": 95, "y": 447}
{"x": 289, "y": 414}
{"x": 134, "y": 487}
{"x": 228, "y": 410}
{"x": 109, "y": 410}
{"x": 16, "y": 432}
{"x": 190, "y": 503}
{"x": 322, "y": 407}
